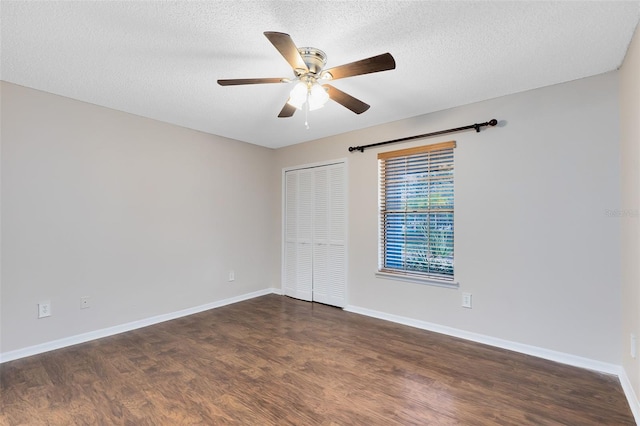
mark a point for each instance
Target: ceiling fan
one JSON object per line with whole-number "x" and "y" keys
{"x": 310, "y": 90}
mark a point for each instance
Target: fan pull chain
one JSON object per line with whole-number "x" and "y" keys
{"x": 306, "y": 113}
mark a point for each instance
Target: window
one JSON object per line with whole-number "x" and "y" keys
{"x": 416, "y": 213}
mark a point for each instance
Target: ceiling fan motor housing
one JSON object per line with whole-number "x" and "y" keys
{"x": 315, "y": 59}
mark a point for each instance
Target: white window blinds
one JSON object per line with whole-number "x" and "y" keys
{"x": 416, "y": 211}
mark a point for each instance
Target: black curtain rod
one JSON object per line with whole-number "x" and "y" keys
{"x": 426, "y": 135}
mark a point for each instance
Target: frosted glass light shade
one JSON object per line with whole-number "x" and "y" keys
{"x": 314, "y": 95}
{"x": 298, "y": 95}
{"x": 317, "y": 97}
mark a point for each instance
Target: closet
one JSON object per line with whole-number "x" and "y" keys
{"x": 315, "y": 215}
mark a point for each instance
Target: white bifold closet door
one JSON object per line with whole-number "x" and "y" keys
{"x": 315, "y": 233}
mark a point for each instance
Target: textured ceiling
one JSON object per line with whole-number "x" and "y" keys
{"x": 162, "y": 59}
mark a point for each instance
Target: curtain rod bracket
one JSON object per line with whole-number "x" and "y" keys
{"x": 476, "y": 126}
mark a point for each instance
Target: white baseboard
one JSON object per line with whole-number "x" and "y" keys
{"x": 561, "y": 357}
{"x": 110, "y": 331}
{"x": 492, "y": 341}
{"x": 634, "y": 401}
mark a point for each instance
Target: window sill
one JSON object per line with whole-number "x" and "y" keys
{"x": 418, "y": 279}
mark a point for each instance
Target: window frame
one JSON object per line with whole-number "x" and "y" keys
{"x": 425, "y": 156}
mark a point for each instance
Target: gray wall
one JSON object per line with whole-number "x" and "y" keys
{"x": 630, "y": 209}
{"x": 533, "y": 241}
{"x": 144, "y": 217}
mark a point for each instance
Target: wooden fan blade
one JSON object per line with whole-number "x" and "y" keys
{"x": 346, "y": 100}
{"x": 287, "y": 111}
{"x": 378, "y": 63}
{"x": 287, "y": 49}
{"x": 239, "y": 81}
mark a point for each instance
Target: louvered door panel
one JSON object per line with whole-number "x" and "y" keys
{"x": 291, "y": 207}
{"x": 321, "y": 281}
{"x": 321, "y": 277}
{"x": 338, "y": 210}
{"x": 304, "y": 248}
{"x": 337, "y": 272}
{"x": 304, "y": 269}
{"x": 290, "y": 272}
{"x": 305, "y": 206}
{"x": 315, "y": 234}
{"x": 298, "y": 253}
{"x": 337, "y": 276}
{"x": 321, "y": 206}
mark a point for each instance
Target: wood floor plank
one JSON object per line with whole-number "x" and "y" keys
{"x": 278, "y": 361}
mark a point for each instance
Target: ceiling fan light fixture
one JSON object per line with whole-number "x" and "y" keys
{"x": 298, "y": 95}
{"x": 317, "y": 97}
{"x": 311, "y": 93}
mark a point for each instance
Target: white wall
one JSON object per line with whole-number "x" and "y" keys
{"x": 630, "y": 209}
{"x": 144, "y": 217}
{"x": 534, "y": 243}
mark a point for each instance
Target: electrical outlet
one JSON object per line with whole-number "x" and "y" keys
{"x": 634, "y": 346}
{"x": 232, "y": 276}
{"x": 44, "y": 309}
{"x": 466, "y": 300}
{"x": 84, "y": 302}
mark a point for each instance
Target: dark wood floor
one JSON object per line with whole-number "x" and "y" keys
{"x": 276, "y": 360}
